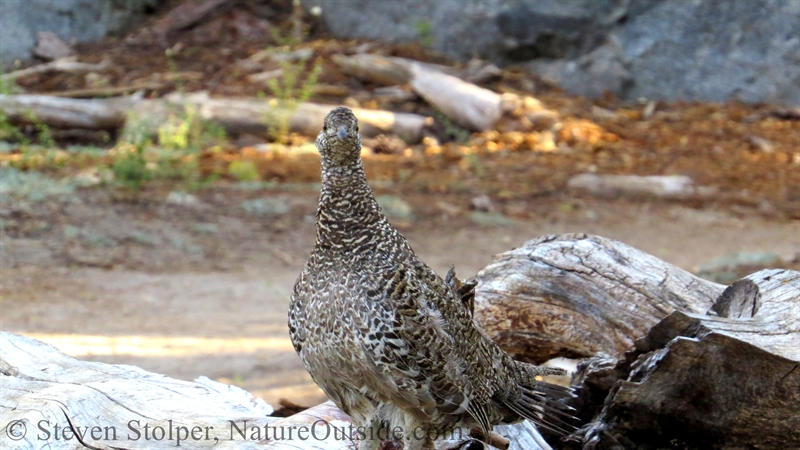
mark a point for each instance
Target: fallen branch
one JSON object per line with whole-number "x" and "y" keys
{"x": 69, "y": 64}
{"x": 665, "y": 187}
{"x": 105, "y": 91}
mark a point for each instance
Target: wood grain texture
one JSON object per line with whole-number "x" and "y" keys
{"x": 44, "y": 392}
{"x": 575, "y": 295}
{"x": 700, "y": 381}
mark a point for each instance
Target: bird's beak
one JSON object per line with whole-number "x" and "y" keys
{"x": 342, "y": 133}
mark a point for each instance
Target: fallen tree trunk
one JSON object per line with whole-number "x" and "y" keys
{"x": 575, "y": 295}
{"x": 234, "y": 114}
{"x": 705, "y": 381}
{"x": 50, "y": 400}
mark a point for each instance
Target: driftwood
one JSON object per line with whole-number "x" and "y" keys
{"x": 50, "y": 400}
{"x": 234, "y": 114}
{"x": 705, "y": 381}
{"x": 467, "y": 104}
{"x": 576, "y": 295}
{"x": 676, "y": 187}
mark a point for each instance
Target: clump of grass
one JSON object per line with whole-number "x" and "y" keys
{"x": 424, "y": 35}
{"x": 289, "y": 92}
{"x": 244, "y": 171}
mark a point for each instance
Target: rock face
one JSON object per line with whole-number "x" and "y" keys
{"x": 659, "y": 49}
{"x": 82, "y": 20}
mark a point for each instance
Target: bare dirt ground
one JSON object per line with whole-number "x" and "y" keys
{"x": 203, "y": 288}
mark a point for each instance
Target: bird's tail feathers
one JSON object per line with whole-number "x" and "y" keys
{"x": 543, "y": 403}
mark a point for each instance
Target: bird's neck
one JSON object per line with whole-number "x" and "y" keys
{"x": 347, "y": 207}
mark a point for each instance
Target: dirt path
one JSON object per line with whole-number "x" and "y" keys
{"x": 228, "y": 321}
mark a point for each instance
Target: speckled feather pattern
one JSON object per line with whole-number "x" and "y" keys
{"x": 385, "y": 337}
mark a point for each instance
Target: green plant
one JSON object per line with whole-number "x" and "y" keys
{"x": 424, "y": 33}
{"x": 289, "y": 92}
{"x": 129, "y": 165}
{"x": 173, "y": 69}
{"x": 452, "y": 131}
{"x": 298, "y": 33}
{"x": 244, "y": 170}
{"x": 44, "y": 136}
{"x": 181, "y": 139}
{"x": 9, "y": 132}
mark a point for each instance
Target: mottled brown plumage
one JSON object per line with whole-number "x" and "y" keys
{"x": 386, "y": 338}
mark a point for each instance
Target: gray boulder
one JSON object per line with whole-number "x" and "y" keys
{"x": 82, "y": 20}
{"x": 658, "y": 49}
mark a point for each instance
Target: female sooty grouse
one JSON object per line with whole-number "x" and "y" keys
{"x": 389, "y": 341}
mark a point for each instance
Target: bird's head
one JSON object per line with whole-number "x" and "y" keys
{"x": 339, "y": 142}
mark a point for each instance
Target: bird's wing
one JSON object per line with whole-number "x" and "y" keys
{"x": 412, "y": 330}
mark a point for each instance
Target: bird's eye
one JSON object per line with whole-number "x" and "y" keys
{"x": 356, "y": 128}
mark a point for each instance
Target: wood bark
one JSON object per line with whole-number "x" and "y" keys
{"x": 575, "y": 295}
{"x": 234, "y": 114}
{"x": 706, "y": 381}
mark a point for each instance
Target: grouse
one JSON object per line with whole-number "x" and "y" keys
{"x": 386, "y": 338}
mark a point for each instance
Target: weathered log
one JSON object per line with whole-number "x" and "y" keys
{"x": 234, "y": 114}
{"x": 575, "y": 295}
{"x": 50, "y": 400}
{"x": 704, "y": 381}
{"x": 471, "y": 106}
{"x": 675, "y": 187}
{"x": 382, "y": 70}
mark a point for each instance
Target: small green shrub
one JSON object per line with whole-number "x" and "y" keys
{"x": 244, "y": 171}
{"x": 289, "y": 92}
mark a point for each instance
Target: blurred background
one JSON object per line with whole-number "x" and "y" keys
{"x": 158, "y": 178}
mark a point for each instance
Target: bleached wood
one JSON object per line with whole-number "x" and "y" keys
{"x": 471, "y": 106}
{"x": 42, "y": 387}
{"x": 67, "y": 64}
{"x": 575, "y": 295}
{"x": 450, "y": 90}
{"x": 612, "y": 186}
